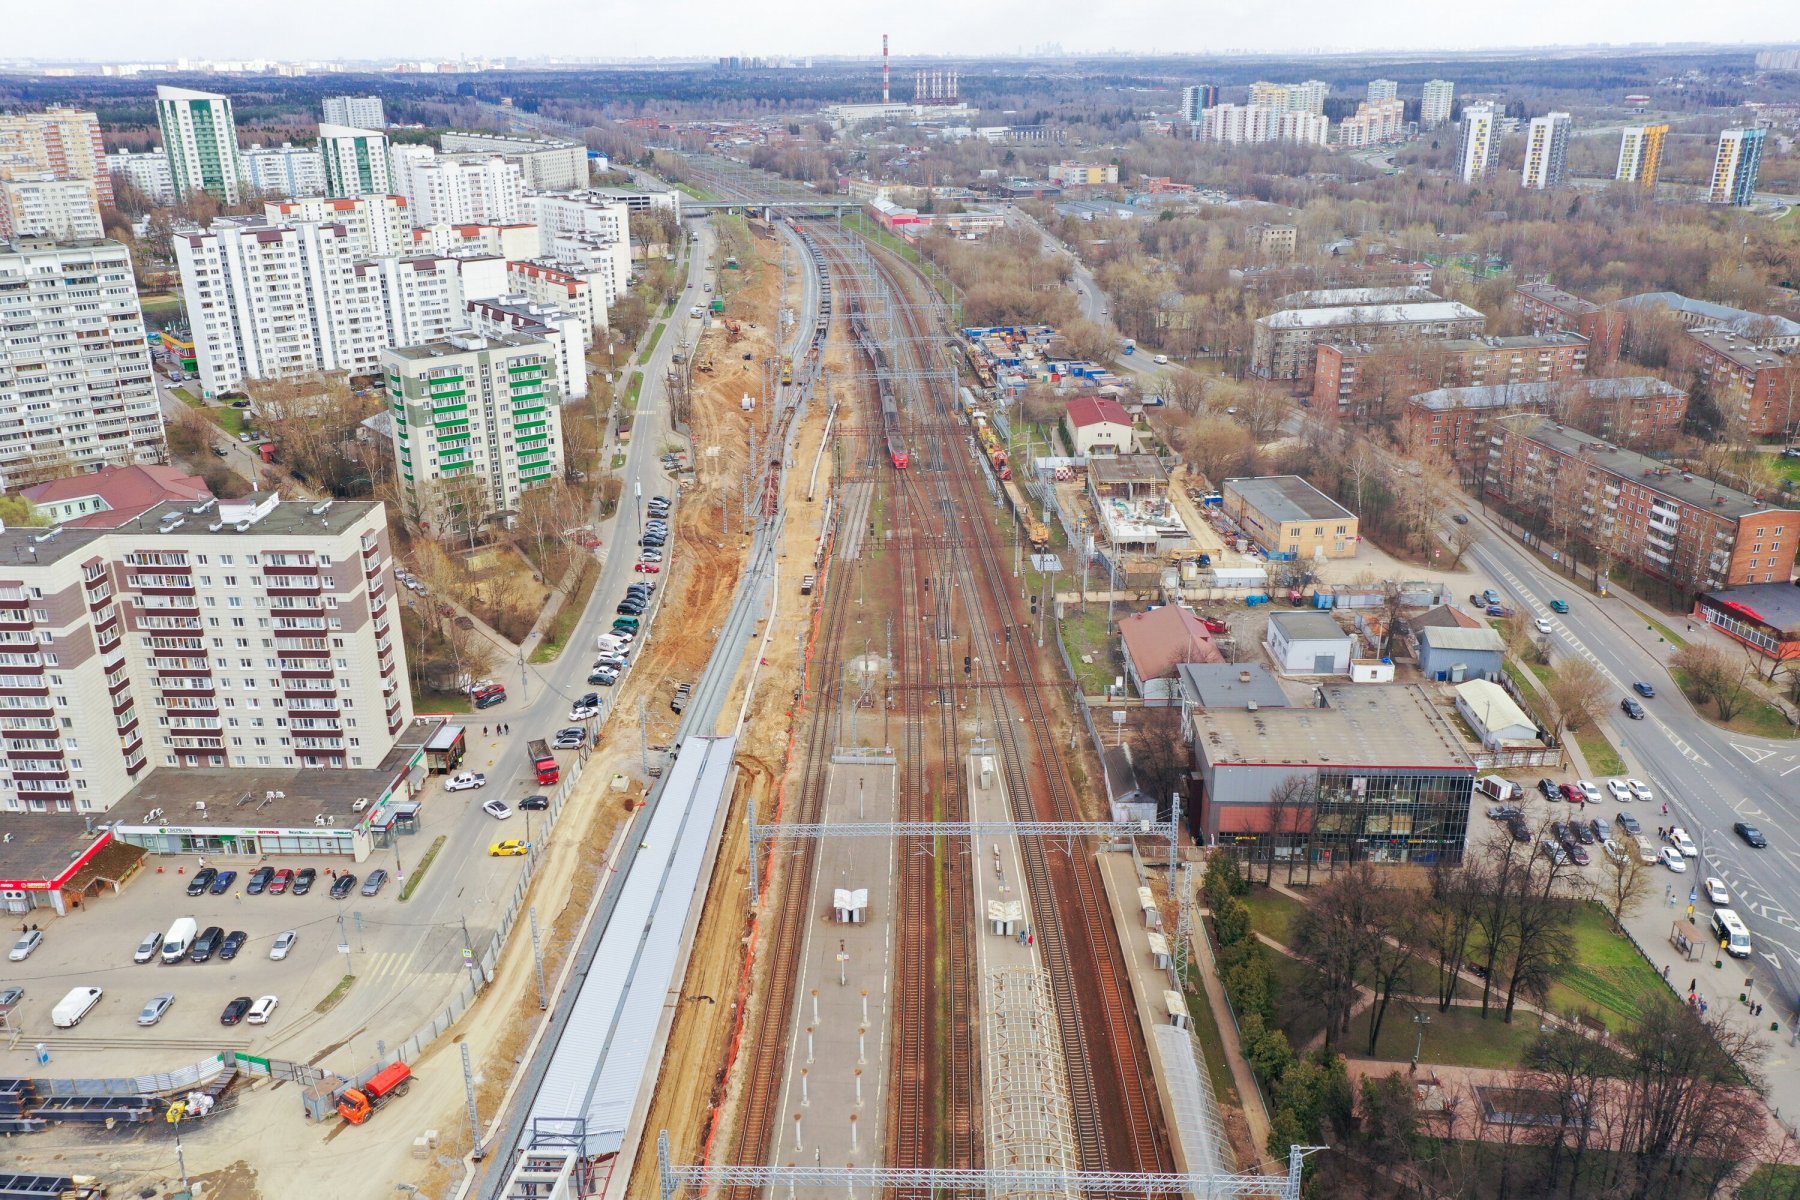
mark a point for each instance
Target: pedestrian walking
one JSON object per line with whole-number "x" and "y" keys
{"x": 484, "y": 731}
{"x": 1665, "y": 810}
{"x": 1693, "y": 985}
{"x": 1665, "y": 973}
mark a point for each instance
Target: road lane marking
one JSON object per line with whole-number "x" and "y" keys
{"x": 1754, "y": 753}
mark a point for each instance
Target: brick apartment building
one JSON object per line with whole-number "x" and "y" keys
{"x": 1550, "y": 308}
{"x": 1635, "y": 409}
{"x": 1284, "y": 344}
{"x": 1275, "y": 279}
{"x": 1751, "y": 386}
{"x": 1693, "y": 532}
{"x": 1457, "y": 362}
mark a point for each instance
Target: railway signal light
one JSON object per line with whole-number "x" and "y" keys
{"x": 967, "y": 664}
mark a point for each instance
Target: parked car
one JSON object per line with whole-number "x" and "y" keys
{"x": 491, "y": 700}
{"x": 1614, "y": 851}
{"x": 1461, "y": 518}
{"x": 1589, "y": 792}
{"x": 1598, "y": 830}
{"x": 1578, "y": 855}
{"x": 283, "y": 944}
{"x": 1555, "y": 853}
{"x": 1715, "y": 890}
{"x": 1632, "y": 708}
{"x": 497, "y": 809}
{"x": 279, "y": 885}
{"x": 261, "y": 1011}
{"x": 26, "y": 946}
{"x": 603, "y": 676}
{"x": 510, "y": 848}
{"x": 465, "y": 782}
{"x": 154, "y": 1010}
{"x": 647, "y": 568}
{"x": 202, "y": 880}
{"x": 234, "y": 941}
{"x": 222, "y": 883}
{"x": 1671, "y": 858}
{"x": 303, "y": 882}
{"x": 534, "y": 803}
{"x": 234, "y": 1011}
{"x": 10, "y": 996}
{"x": 1643, "y": 689}
{"x": 259, "y": 880}
{"x": 1521, "y": 832}
{"x": 342, "y": 885}
{"x": 1503, "y": 812}
{"x": 1550, "y": 790}
{"x": 373, "y": 884}
{"x": 1572, "y": 794}
{"x": 1751, "y": 834}
{"x": 206, "y": 945}
{"x": 1639, "y": 789}
{"x": 1618, "y": 789}
{"x": 1678, "y": 838}
{"x": 1629, "y": 823}
{"x": 570, "y": 739}
{"x": 148, "y": 948}
{"x": 583, "y": 710}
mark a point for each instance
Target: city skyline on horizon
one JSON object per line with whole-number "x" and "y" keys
{"x": 410, "y": 30}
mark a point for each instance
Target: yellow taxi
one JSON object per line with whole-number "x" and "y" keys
{"x": 510, "y": 848}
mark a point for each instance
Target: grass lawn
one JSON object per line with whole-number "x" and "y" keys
{"x": 1457, "y": 1038}
{"x": 426, "y": 700}
{"x": 160, "y": 302}
{"x": 1212, "y": 1043}
{"x": 691, "y": 190}
{"x": 1787, "y": 468}
{"x": 1601, "y": 757}
{"x": 556, "y": 635}
{"x": 1606, "y": 975}
{"x": 650, "y": 346}
{"x": 1085, "y": 632}
{"x": 1758, "y": 718}
{"x": 631, "y": 391}
{"x": 1273, "y": 913}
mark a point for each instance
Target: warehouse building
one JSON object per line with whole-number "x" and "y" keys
{"x": 1290, "y": 518}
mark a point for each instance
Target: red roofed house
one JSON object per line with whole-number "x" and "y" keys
{"x": 1158, "y": 641}
{"x": 1096, "y": 425}
{"x": 108, "y": 498}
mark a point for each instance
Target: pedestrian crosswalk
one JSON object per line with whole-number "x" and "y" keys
{"x": 369, "y": 968}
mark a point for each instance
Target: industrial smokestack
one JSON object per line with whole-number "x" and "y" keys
{"x": 884, "y": 71}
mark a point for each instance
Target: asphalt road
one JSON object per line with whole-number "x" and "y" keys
{"x": 1709, "y": 777}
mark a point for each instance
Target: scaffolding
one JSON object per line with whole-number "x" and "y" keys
{"x": 1030, "y": 1125}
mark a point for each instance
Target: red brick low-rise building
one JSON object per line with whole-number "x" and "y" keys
{"x": 1636, "y": 409}
{"x": 1340, "y": 382}
{"x": 1755, "y": 389}
{"x": 1693, "y": 532}
{"x": 1550, "y": 309}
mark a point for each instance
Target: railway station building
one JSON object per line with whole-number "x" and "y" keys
{"x": 1334, "y": 773}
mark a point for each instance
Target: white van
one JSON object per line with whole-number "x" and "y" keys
{"x": 1731, "y": 931}
{"x": 77, "y": 1004}
{"x": 180, "y": 939}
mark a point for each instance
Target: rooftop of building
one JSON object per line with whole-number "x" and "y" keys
{"x": 1458, "y": 637}
{"x": 1684, "y": 487}
{"x": 1528, "y": 341}
{"x": 1288, "y": 498}
{"x": 1741, "y": 352}
{"x": 1444, "y": 616}
{"x": 1502, "y": 395}
{"x": 43, "y": 846}
{"x": 1361, "y": 724}
{"x": 1737, "y": 318}
{"x": 1160, "y": 640}
{"x": 1357, "y": 296}
{"x": 271, "y": 797}
{"x": 1093, "y": 410}
{"x": 1232, "y": 685}
{"x": 462, "y": 342}
{"x": 1108, "y": 469}
{"x": 1307, "y": 626}
{"x": 1776, "y": 605}
{"x": 1548, "y": 293}
{"x": 126, "y": 491}
{"x": 1376, "y": 314}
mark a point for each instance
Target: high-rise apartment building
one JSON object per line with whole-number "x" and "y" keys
{"x": 148, "y": 173}
{"x": 1249, "y": 124}
{"x": 1434, "y": 107}
{"x": 1640, "y": 154}
{"x": 236, "y": 633}
{"x": 62, "y": 141}
{"x": 284, "y": 170}
{"x": 547, "y": 164}
{"x": 1196, "y": 99}
{"x": 1383, "y": 90}
{"x": 564, "y": 330}
{"x": 1475, "y": 158}
{"x": 358, "y": 112}
{"x": 42, "y": 205}
{"x": 377, "y": 224}
{"x": 356, "y": 161}
{"x": 1308, "y": 97}
{"x": 454, "y": 189}
{"x": 200, "y": 137}
{"x": 1375, "y": 123}
{"x": 1735, "y": 166}
{"x": 1546, "y": 151}
{"x": 76, "y": 391}
{"x": 267, "y": 300}
{"x": 476, "y": 423}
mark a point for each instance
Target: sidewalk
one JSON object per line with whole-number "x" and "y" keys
{"x": 1249, "y": 1095}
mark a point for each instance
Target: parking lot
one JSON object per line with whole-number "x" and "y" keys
{"x": 404, "y": 956}
{"x": 1603, "y": 800}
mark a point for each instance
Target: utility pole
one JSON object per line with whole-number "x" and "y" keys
{"x": 469, "y": 955}
{"x": 344, "y": 945}
{"x": 537, "y": 955}
{"x": 469, "y": 1091}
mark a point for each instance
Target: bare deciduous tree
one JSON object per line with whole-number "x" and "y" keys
{"x": 1577, "y": 690}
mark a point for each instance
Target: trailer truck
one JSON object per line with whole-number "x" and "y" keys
{"x": 543, "y": 762}
{"x": 357, "y": 1104}
{"x": 179, "y": 940}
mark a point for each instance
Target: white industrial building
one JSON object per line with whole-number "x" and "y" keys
{"x": 284, "y": 170}
{"x": 75, "y": 380}
{"x": 1308, "y": 643}
{"x": 41, "y": 205}
{"x": 477, "y": 424}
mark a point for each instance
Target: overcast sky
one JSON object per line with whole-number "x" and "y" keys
{"x": 447, "y": 29}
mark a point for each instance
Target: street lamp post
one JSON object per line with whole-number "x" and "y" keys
{"x": 1421, "y": 1020}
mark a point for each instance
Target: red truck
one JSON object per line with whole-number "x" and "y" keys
{"x": 543, "y": 761}
{"x": 357, "y": 1104}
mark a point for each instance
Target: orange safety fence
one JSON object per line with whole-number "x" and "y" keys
{"x": 741, "y": 994}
